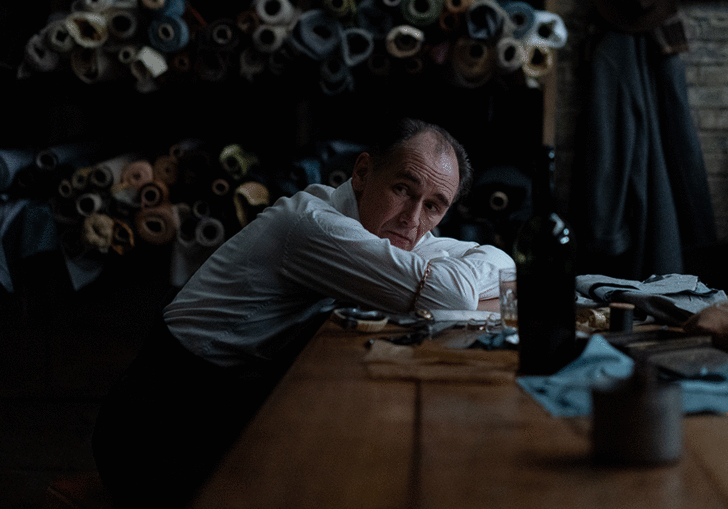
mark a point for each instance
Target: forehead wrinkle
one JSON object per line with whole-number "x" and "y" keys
{"x": 415, "y": 178}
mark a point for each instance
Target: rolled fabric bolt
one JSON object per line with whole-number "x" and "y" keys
{"x": 187, "y": 224}
{"x": 168, "y": 34}
{"x": 523, "y": 17}
{"x": 97, "y": 232}
{"x": 122, "y": 237}
{"x": 201, "y": 209}
{"x": 79, "y": 178}
{"x": 248, "y": 21}
{"x": 247, "y": 196}
{"x": 180, "y": 148}
{"x": 548, "y": 30}
{"x": 357, "y": 45}
{"x": 65, "y": 189}
{"x": 181, "y": 62}
{"x": 268, "y": 38}
{"x": 279, "y": 60}
{"x": 127, "y": 54}
{"x": 71, "y": 244}
{"x": 89, "y": 203}
{"x": 472, "y": 61}
{"x": 27, "y": 179}
{"x": 404, "y": 41}
{"x": 220, "y": 187}
{"x": 97, "y": 5}
{"x": 379, "y": 64}
{"x": 420, "y": 13}
{"x": 58, "y": 38}
{"x": 210, "y": 65}
{"x": 11, "y": 161}
{"x": 252, "y": 63}
{"x": 487, "y": 20}
{"x": 449, "y": 21}
{"x": 165, "y": 169}
{"x": 337, "y": 177}
{"x": 46, "y": 160}
{"x": 137, "y": 173}
{"x": 149, "y": 62}
{"x": 414, "y": 65}
{"x": 169, "y": 7}
{"x": 157, "y": 225}
{"x": 511, "y": 54}
{"x": 193, "y": 165}
{"x": 117, "y": 164}
{"x": 440, "y": 53}
{"x": 371, "y": 16}
{"x": 88, "y": 29}
{"x": 154, "y": 5}
{"x": 39, "y": 56}
{"x": 101, "y": 177}
{"x": 153, "y": 194}
{"x": 209, "y": 232}
{"x": 64, "y": 211}
{"x": 340, "y": 9}
{"x": 223, "y": 34}
{"x": 92, "y": 65}
{"x": 122, "y": 23}
{"x": 538, "y": 61}
{"x": 124, "y": 201}
{"x": 335, "y": 76}
{"x": 275, "y": 12}
{"x": 315, "y": 34}
{"x": 457, "y": 6}
{"x": 236, "y": 162}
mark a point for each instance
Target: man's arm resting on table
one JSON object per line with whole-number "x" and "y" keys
{"x": 489, "y": 305}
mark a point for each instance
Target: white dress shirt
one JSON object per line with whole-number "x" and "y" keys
{"x": 302, "y": 255}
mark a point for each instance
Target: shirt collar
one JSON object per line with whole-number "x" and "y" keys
{"x": 344, "y": 200}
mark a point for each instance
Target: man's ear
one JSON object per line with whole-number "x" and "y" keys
{"x": 362, "y": 169}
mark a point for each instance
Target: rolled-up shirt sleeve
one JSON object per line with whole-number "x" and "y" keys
{"x": 337, "y": 257}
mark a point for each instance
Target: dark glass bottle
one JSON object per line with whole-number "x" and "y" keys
{"x": 545, "y": 256}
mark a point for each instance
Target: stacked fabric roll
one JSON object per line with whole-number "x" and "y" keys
{"x": 466, "y": 42}
{"x": 191, "y": 196}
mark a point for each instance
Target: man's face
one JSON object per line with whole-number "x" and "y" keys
{"x": 409, "y": 195}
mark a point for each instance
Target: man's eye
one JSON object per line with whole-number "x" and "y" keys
{"x": 432, "y": 207}
{"x": 400, "y": 189}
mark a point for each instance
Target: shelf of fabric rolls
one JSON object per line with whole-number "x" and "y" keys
{"x": 188, "y": 118}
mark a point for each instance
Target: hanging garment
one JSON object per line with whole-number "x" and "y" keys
{"x": 639, "y": 186}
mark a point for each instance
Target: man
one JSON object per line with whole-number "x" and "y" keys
{"x": 231, "y": 332}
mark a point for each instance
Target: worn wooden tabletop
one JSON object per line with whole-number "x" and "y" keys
{"x": 333, "y": 436}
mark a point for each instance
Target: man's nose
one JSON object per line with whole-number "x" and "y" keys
{"x": 411, "y": 213}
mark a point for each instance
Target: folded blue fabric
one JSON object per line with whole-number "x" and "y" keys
{"x": 670, "y": 298}
{"x": 568, "y": 392}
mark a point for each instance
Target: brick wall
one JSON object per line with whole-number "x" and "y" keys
{"x": 706, "y": 64}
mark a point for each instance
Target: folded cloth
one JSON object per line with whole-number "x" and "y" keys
{"x": 568, "y": 392}
{"x": 671, "y": 298}
{"x": 434, "y": 363}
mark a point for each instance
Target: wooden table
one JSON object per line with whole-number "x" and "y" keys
{"x": 330, "y": 436}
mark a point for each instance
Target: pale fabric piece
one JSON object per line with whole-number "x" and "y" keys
{"x": 298, "y": 258}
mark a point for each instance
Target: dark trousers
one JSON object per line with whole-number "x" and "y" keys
{"x": 168, "y": 420}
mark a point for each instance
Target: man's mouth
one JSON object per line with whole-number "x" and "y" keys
{"x": 399, "y": 240}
